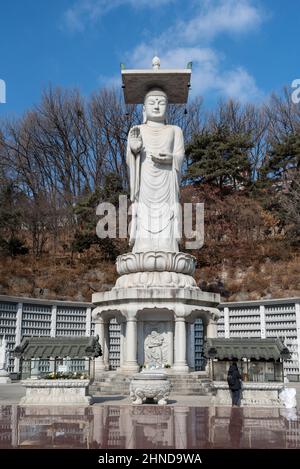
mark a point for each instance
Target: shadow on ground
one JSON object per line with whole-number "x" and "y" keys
{"x": 104, "y": 399}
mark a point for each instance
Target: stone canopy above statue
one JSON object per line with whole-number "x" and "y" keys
{"x": 175, "y": 83}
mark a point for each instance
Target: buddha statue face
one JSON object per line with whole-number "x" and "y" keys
{"x": 155, "y": 106}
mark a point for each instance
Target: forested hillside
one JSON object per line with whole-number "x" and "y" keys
{"x": 63, "y": 157}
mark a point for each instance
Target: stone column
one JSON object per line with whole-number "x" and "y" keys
{"x": 171, "y": 347}
{"x": 88, "y": 326}
{"x": 124, "y": 344}
{"x": 127, "y": 426}
{"x": 297, "y": 311}
{"x": 106, "y": 345}
{"x": 98, "y": 424}
{"x": 88, "y": 322}
{"x": 131, "y": 345}
{"x": 14, "y": 425}
{"x": 210, "y": 332}
{"x": 180, "y": 346}
{"x": 180, "y": 423}
{"x": 211, "y": 424}
{"x": 191, "y": 346}
{"x": 99, "y": 361}
{"x": 211, "y": 329}
{"x": 67, "y": 363}
{"x": 51, "y": 365}
{"x": 18, "y": 335}
{"x": 262, "y": 322}
{"x": 226, "y": 323}
{"x": 53, "y": 320}
{"x": 35, "y": 372}
{"x": 140, "y": 341}
{"x": 53, "y": 334}
{"x": 122, "y": 347}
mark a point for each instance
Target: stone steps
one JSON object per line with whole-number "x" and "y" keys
{"x": 186, "y": 385}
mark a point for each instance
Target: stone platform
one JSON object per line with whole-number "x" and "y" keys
{"x": 5, "y": 380}
{"x": 4, "y": 377}
{"x": 56, "y": 392}
{"x": 140, "y": 311}
{"x": 129, "y": 301}
{"x": 156, "y": 301}
{"x": 188, "y": 384}
{"x": 253, "y": 394}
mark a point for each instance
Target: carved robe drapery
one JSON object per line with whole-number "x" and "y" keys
{"x": 154, "y": 190}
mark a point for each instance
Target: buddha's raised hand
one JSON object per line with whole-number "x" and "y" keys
{"x": 135, "y": 140}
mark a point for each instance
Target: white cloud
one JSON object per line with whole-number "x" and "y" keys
{"x": 225, "y": 16}
{"x": 216, "y": 17}
{"x": 142, "y": 55}
{"x": 207, "y": 75}
{"x": 213, "y": 18}
{"x": 185, "y": 41}
{"x": 85, "y": 12}
{"x": 148, "y": 3}
{"x": 238, "y": 83}
{"x": 109, "y": 81}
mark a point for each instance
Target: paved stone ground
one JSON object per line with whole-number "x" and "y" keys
{"x": 12, "y": 393}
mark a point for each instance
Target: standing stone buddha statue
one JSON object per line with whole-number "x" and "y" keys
{"x": 155, "y": 153}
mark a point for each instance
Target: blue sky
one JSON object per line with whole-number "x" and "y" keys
{"x": 244, "y": 49}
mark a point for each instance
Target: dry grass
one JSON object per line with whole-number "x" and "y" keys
{"x": 78, "y": 279}
{"x": 242, "y": 249}
{"x": 45, "y": 278}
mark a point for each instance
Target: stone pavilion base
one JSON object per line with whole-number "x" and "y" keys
{"x": 253, "y": 394}
{"x": 150, "y": 385}
{"x": 4, "y": 380}
{"x": 56, "y": 392}
{"x": 4, "y": 377}
{"x": 156, "y": 302}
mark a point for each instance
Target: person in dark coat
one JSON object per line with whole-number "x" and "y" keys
{"x": 234, "y": 379}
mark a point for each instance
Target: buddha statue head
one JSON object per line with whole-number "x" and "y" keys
{"x": 155, "y": 106}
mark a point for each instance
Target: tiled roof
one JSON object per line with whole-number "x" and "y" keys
{"x": 239, "y": 348}
{"x": 61, "y": 347}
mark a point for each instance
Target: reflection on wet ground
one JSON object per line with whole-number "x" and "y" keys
{"x": 148, "y": 426}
